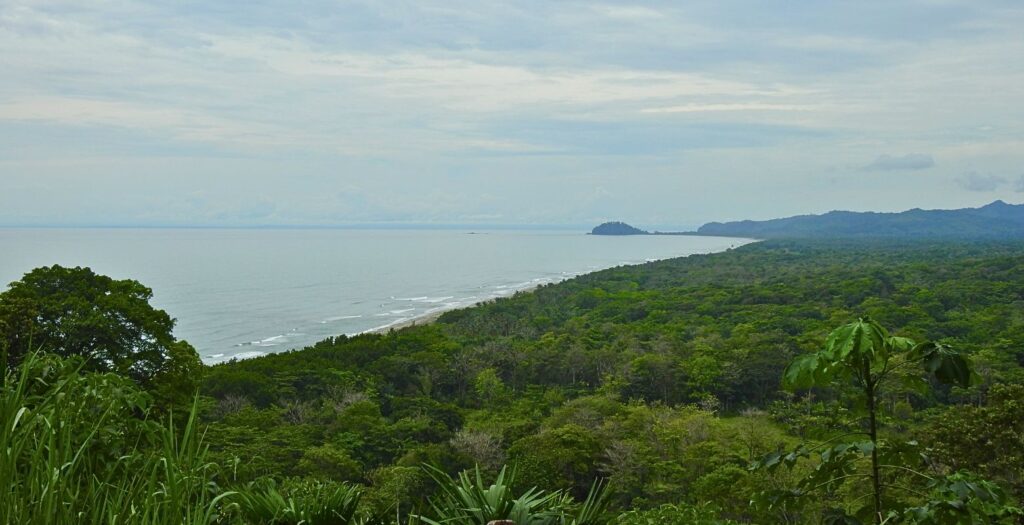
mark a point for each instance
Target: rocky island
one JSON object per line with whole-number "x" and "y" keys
{"x": 617, "y": 228}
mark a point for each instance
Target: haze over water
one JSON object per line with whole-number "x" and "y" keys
{"x": 241, "y": 293}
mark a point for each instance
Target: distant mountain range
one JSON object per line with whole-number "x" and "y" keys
{"x": 995, "y": 220}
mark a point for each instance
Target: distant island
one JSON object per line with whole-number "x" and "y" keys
{"x": 617, "y": 228}
{"x": 992, "y": 221}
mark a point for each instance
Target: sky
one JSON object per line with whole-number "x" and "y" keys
{"x": 529, "y": 112}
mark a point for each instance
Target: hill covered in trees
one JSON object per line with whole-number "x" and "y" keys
{"x": 663, "y": 378}
{"x": 995, "y": 220}
{"x": 617, "y": 228}
{"x": 737, "y": 387}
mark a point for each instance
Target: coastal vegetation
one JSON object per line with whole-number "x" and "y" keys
{"x": 786, "y": 381}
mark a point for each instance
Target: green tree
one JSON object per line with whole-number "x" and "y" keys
{"x": 329, "y": 462}
{"x": 395, "y": 490}
{"x": 108, "y": 322}
{"x": 489, "y": 387}
{"x": 989, "y": 439}
{"x": 562, "y": 457}
{"x": 864, "y": 354}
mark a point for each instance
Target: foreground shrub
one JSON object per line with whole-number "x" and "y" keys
{"x": 77, "y": 448}
{"x": 467, "y": 500}
{"x": 298, "y": 502}
{"x": 673, "y": 515}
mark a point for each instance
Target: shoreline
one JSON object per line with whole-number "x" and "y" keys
{"x": 431, "y": 317}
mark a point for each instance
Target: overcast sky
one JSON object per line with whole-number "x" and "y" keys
{"x": 521, "y": 112}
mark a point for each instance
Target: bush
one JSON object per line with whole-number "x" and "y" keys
{"x": 78, "y": 449}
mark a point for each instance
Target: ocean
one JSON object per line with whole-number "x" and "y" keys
{"x": 240, "y": 293}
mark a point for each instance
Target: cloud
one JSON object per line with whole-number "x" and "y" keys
{"x": 655, "y": 139}
{"x": 749, "y": 106}
{"x": 1019, "y": 185}
{"x": 909, "y": 162}
{"x": 426, "y": 106}
{"x": 977, "y": 182}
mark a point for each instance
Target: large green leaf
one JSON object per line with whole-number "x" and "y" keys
{"x": 802, "y": 372}
{"x": 862, "y": 341}
{"x": 951, "y": 369}
{"x": 914, "y": 384}
{"x": 944, "y": 363}
{"x": 900, "y": 345}
{"x": 847, "y": 349}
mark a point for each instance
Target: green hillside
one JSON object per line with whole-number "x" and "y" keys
{"x": 641, "y": 394}
{"x": 995, "y": 220}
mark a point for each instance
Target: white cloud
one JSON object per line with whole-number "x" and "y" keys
{"x": 746, "y": 106}
{"x": 628, "y": 12}
{"x": 459, "y": 83}
{"x": 981, "y": 182}
{"x": 908, "y": 162}
{"x": 460, "y": 96}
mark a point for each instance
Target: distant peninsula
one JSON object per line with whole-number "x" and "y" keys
{"x": 617, "y": 228}
{"x": 992, "y": 221}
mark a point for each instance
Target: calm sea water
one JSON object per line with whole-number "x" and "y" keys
{"x": 241, "y": 293}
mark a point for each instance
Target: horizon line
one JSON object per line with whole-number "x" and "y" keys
{"x": 354, "y": 226}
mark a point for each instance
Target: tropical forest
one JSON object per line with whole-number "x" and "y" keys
{"x": 784, "y": 381}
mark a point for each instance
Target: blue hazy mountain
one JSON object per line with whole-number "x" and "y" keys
{"x": 995, "y": 220}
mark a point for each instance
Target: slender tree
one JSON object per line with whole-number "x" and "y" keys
{"x": 865, "y": 355}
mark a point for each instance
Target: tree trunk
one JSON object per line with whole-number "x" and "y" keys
{"x": 876, "y": 481}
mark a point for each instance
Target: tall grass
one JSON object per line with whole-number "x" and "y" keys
{"x": 77, "y": 448}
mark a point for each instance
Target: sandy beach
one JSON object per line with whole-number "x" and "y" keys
{"x": 434, "y": 316}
